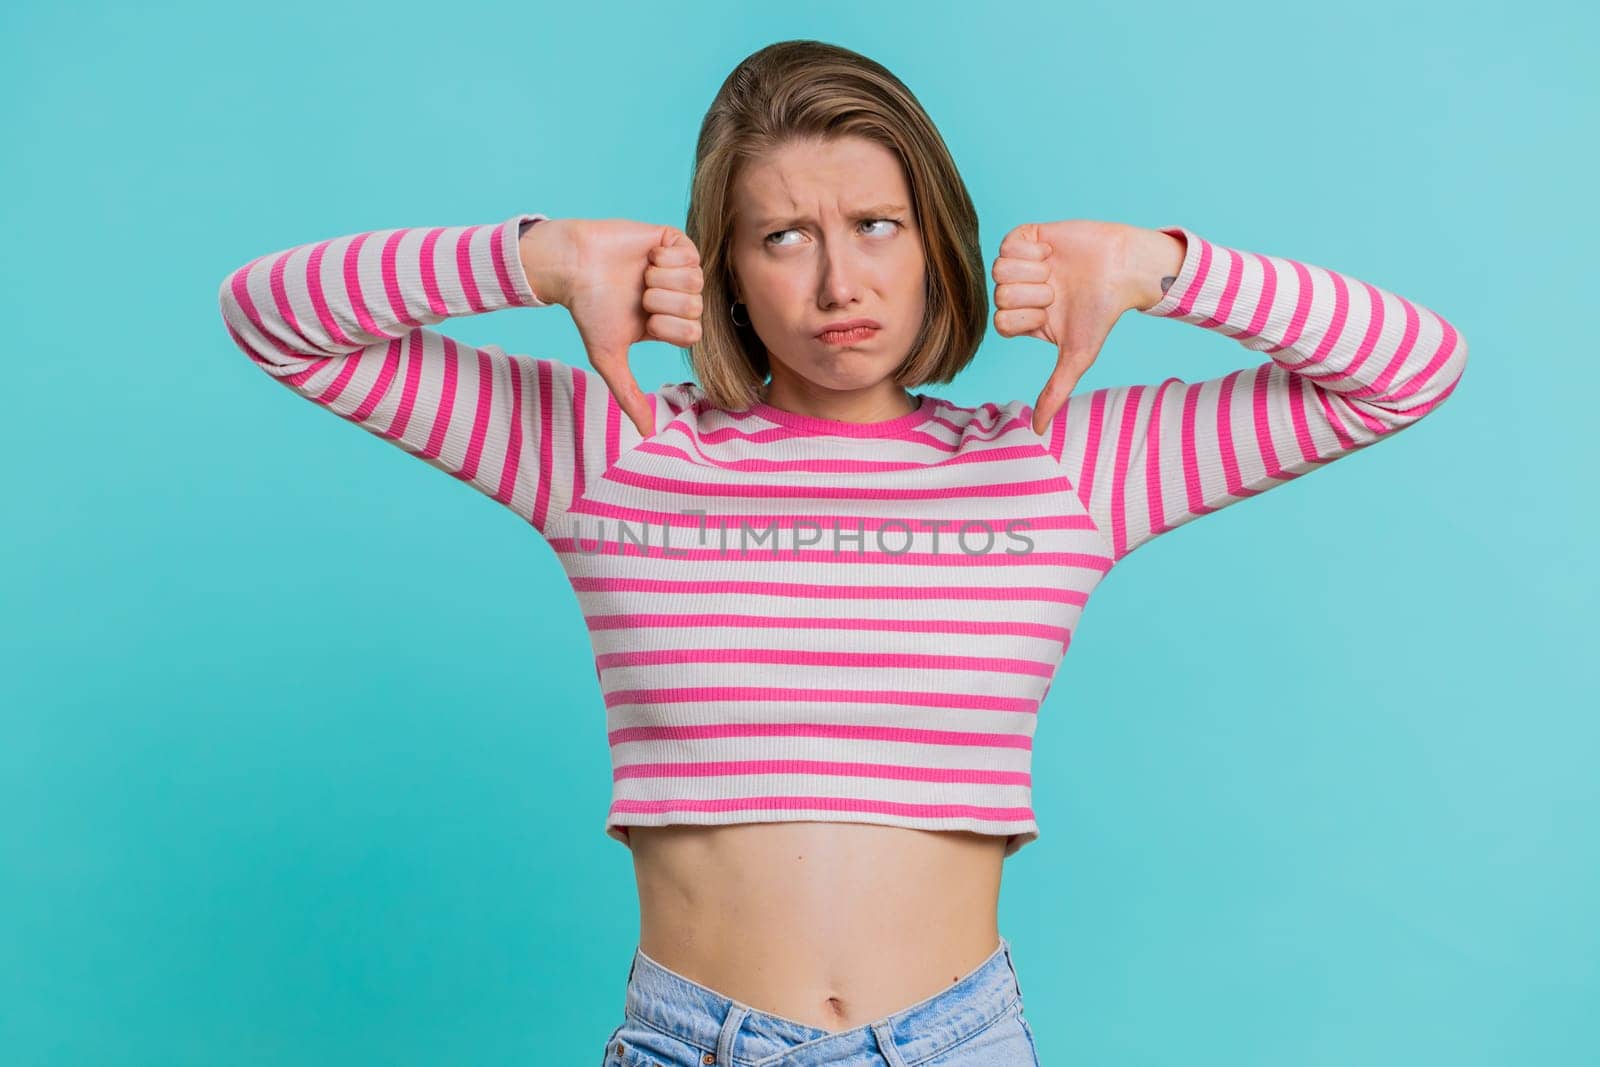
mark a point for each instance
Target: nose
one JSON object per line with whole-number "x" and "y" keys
{"x": 839, "y": 285}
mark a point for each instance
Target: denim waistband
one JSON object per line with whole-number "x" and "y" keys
{"x": 740, "y": 1034}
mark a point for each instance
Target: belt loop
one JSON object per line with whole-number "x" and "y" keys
{"x": 730, "y": 1030}
{"x": 886, "y": 1045}
{"x": 1006, "y": 949}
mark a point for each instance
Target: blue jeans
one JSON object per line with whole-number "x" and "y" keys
{"x": 673, "y": 1021}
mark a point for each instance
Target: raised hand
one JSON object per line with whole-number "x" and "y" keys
{"x": 623, "y": 282}
{"x": 1068, "y": 283}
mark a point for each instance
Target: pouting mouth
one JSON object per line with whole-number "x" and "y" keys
{"x": 849, "y": 324}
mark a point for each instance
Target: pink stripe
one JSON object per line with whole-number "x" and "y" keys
{"x": 646, "y": 621}
{"x": 513, "y": 427}
{"x": 784, "y": 803}
{"x": 593, "y": 543}
{"x": 497, "y": 251}
{"x": 837, "y": 731}
{"x": 834, "y": 592}
{"x": 482, "y": 409}
{"x": 411, "y": 346}
{"x": 546, "y": 387}
{"x": 469, "y": 282}
{"x": 430, "y": 280}
{"x": 812, "y": 658}
{"x": 780, "y": 490}
{"x": 692, "y": 450}
{"x": 905, "y": 698}
{"x": 1119, "y": 468}
{"x": 1194, "y": 494}
{"x": 248, "y": 349}
{"x": 1091, "y": 447}
{"x": 239, "y": 285}
{"x": 280, "y": 300}
{"x": 447, "y": 401}
{"x": 1341, "y": 311}
{"x": 354, "y": 296}
{"x": 1346, "y": 442}
{"x": 1441, "y": 355}
{"x": 613, "y": 429}
{"x": 1396, "y": 362}
{"x": 1224, "y": 440}
{"x": 391, "y": 280}
{"x": 580, "y": 435}
{"x": 1422, "y": 409}
{"x": 765, "y": 433}
{"x": 1261, "y": 418}
{"x": 886, "y": 771}
{"x": 756, "y": 520}
{"x": 1299, "y": 414}
{"x": 1269, "y": 289}
{"x": 380, "y": 387}
{"x": 1153, "y": 483}
{"x": 1230, "y": 289}
{"x": 1058, "y": 431}
{"x": 1197, "y": 284}
{"x": 1369, "y": 340}
{"x": 1302, "y": 306}
{"x": 345, "y": 371}
{"x": 319, "y": 303}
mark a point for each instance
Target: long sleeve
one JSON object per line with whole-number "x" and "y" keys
{"x": 344, "y": 323}
{"x": 1350, "y": 364}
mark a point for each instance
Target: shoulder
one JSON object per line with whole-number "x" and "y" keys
{"x": 669, "y": 397}
{"x": 984, "y": 417}
{"x": 680, "y": 394}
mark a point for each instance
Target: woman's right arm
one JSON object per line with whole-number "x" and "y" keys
{"x": 344, "y": 323}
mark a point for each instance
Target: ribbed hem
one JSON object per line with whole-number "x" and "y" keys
{"x": 510, "y": 239}
{"x": 1173, "y": 298}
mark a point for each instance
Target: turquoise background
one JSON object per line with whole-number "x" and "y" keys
{"x": 301, "y": 751}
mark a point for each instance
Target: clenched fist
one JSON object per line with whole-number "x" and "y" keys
{"x": 1068, "y": 283}
{"x": 623, "y": 282}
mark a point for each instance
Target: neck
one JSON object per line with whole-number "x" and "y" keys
{"x": 877, "y": 403}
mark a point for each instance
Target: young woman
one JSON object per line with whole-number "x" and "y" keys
{"x": 825, "y": 609}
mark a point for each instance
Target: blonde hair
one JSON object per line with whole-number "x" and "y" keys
{"x": 801, "y": 90}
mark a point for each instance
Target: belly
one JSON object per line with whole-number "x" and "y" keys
{"x": 831, "y": 924}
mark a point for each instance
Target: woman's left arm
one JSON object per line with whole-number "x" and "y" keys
{"x": 1350, "y": 364}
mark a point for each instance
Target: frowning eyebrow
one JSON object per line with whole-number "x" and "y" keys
{"x": 876, "y": 211}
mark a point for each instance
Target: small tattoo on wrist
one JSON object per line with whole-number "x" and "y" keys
{"x": 1166, "y": 283}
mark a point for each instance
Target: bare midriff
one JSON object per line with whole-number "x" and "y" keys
{"x": 830, "y": 924}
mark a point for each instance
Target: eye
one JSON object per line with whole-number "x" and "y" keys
{"x": 779, "y": 233}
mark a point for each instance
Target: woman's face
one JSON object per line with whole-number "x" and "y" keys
{"x": 824, "y": 233}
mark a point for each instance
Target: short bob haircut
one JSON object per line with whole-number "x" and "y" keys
{"x": 804, "y": 90}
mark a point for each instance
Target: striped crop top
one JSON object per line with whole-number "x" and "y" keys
{"x": 800, "y": 619}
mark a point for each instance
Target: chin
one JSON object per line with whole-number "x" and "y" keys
{"x": 851, "y": 371}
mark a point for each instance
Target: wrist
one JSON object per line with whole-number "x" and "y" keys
{"x": 1154, "y": 260}
{"x": 542, "y": 248}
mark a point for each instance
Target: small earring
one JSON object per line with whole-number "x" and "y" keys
{"x": 735, "y": 318}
